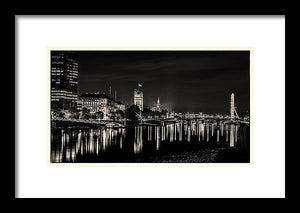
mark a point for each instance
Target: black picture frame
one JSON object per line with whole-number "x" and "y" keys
{"x": 11, "y": 61}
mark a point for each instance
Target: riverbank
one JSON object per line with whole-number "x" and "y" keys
{"x": 82, "y": 124}
{"x": 76, "y": 123}
{"x": 217, "y": 155}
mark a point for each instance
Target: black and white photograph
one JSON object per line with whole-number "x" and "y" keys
{"x": 150, "y": 106}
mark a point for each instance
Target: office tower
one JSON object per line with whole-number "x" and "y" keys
{"x": 64, "y": 80}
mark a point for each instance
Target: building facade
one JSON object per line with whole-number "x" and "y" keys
{"x": 64, "y": 80}
{"x": 138, "y": 98}
{"x": 120, "y": 106}
{"x": 98, "y": 102}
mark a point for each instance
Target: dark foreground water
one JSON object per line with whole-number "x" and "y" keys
{"x": 183, "y": 142}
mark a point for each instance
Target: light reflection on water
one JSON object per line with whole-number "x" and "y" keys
{"x": 72, "y": 145}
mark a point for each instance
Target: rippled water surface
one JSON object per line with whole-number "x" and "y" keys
{"x": 143, "y": 141}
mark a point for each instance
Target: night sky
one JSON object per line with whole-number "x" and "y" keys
{"x": 185, "y": 81}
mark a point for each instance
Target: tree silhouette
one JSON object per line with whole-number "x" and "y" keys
{"x": 132, "y": 112}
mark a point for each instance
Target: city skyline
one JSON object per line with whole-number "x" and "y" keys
{"x": 142, "y": 106}
{"x": 185, "y": 81}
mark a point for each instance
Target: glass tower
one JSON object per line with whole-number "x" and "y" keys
{"x": 64, "y": 80}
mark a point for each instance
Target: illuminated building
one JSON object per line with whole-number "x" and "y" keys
{"x": 138, "y": 97}
{"x": 157, "y": 107}
{"x": 120, "y": 106}
{"x": 64, "y": 80}
{"x": 97, "y": 102}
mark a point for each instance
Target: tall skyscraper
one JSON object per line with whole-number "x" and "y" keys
{"x": 64, "y": 79}
{"x": 138, "y": 97}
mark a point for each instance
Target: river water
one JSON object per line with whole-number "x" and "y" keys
{"x": 143, "y": 142}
